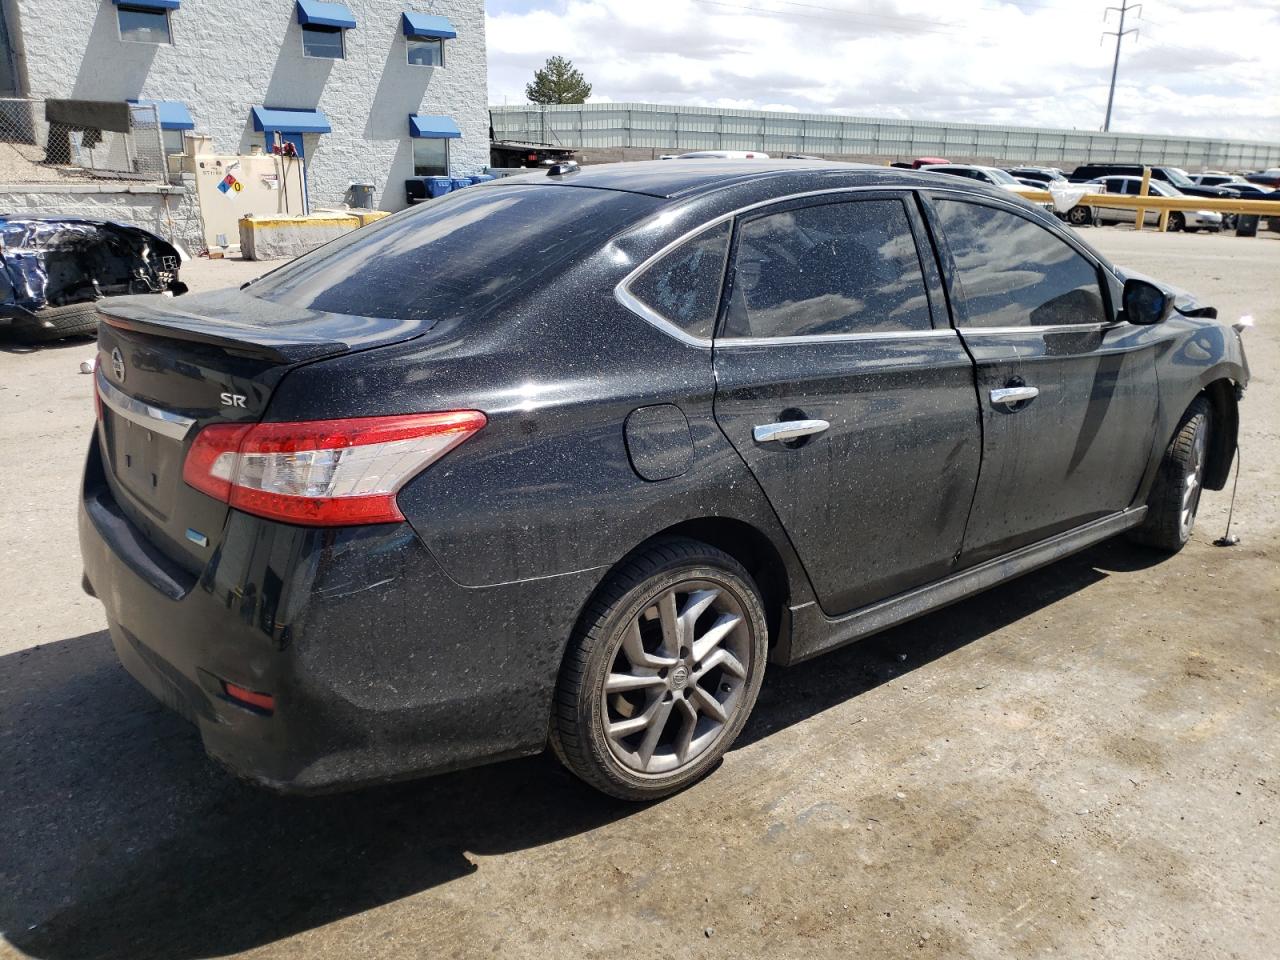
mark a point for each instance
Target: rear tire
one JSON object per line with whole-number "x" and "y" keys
{"x": 74, "y": 320}
{"x": 662, "y": 671}
{"x": 1175, "y": 494}
{"x": 1177, "y": 222}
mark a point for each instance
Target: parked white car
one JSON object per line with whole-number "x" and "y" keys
{"x": 1189, "y": 220}
{"x": 992, "y": 175}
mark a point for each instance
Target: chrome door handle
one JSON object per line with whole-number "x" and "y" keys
{"x": 788, "y": 430}
{"x": 1013, "y": 395}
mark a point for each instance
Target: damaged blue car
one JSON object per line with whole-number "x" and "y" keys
{"x": 54, "y": 270}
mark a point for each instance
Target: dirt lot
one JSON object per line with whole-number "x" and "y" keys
{"x": 1082, "y": 763}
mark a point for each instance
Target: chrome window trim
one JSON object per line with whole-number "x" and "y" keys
{"x": 628, "y": 300}
{"x": 164, "y": 422}
{"x": 1047, "y": 328}
{"x": 622, "y": 292}
{"x": 623, "y": 295}
{"x": 835, "y": 337}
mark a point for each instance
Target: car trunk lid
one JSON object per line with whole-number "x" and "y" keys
{"x": 167, "y": 368}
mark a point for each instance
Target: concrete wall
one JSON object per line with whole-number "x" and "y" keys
{"x": 170, "y": 212}
{"x": 228, "y": 57}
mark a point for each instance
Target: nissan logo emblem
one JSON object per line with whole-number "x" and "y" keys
{"x": 117, "y": 363}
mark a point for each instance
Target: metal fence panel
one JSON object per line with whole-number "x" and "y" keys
{"x": 34, "y": 149}
{"x": 674, "y": 128}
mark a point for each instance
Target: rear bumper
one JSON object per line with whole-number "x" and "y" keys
{"x": 381, "y": 667}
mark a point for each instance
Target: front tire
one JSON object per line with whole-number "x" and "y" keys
{"x": 1175, "y": 495}
{"x": 662, "y": 672}
{"x": 1177, "y": 222}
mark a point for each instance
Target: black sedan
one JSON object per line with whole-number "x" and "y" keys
{"x": 568, "y": 458}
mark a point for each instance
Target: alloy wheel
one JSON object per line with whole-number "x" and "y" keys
{"x": 677, "y": 678}
{"x": 1193, "y": 484}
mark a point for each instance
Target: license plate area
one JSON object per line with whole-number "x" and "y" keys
{"x": 145, "y": 464}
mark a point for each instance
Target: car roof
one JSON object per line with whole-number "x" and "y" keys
{"x": 685, "y": 178}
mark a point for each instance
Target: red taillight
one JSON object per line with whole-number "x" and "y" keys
{"x": 323, "y": 472}
{"x": 211, "y": 461}
{"x": 262, "y": 701}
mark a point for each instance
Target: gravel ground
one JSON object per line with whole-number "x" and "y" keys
{"x": 1079, "y": 763}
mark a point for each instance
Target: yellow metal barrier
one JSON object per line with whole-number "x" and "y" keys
{"x": 1265, "y": 208}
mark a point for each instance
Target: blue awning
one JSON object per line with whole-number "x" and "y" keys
{"x": 426, "y": 25}
{"x": 172, "y": 114}
{"x": 313, "y": 13}
{"x": 149, "y": 4}
{"x": 290, "y": 121}
{"x": 434, "y": 128}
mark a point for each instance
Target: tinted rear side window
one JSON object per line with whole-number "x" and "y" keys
{"x": 835, "y": 269}
{"x": 684, "y": 286}
{"x": 1015, "y": 273}
{"x": 465, "y": 254}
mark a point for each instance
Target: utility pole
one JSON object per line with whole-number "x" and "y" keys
{"x": 1125, "y": 7}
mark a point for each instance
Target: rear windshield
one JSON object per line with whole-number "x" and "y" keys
{"x": 464, "y": 254}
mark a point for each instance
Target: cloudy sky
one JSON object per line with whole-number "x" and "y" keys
{"x": 1197, "y": 68}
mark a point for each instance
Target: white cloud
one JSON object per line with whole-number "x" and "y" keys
{"x": 1196, "y": 69}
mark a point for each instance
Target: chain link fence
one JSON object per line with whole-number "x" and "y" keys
{"x": 60, "y": 142}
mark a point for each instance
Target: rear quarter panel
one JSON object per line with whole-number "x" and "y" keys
{"x": 547, "y": 487}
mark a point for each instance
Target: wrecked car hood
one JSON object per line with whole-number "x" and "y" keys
{"x": 54, "y": 261}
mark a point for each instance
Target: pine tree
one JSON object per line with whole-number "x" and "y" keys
{"x": 558, "y": 82}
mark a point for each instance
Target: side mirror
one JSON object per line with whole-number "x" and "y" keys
{"x": 1145, "y": 303}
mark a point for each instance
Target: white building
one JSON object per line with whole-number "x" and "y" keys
{"x": 366, "y": 90}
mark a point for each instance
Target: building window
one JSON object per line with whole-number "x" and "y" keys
{"x": 430, "y": 157}
{"x": 322, "y": 42}
{"x": 143, "y": 25}
{"x": 173, "y": 141}
{"x": 426, "y": 51}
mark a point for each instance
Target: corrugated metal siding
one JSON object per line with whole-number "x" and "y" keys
{"x": 647, "y": 125}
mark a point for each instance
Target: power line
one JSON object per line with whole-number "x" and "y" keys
{"x": 1119, "y": 34}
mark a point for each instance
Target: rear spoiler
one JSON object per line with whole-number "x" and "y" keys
{"x": 252, "y": 327}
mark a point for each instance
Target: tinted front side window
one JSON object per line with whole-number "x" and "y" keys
{"x": 839, "y": 268}
{"x": 1015, "y": 273}
{"x": 463, "y": 255}
{"x": 684, "y": 286}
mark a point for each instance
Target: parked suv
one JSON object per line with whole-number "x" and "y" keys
{"x": 568, "y": 458}
{"x": 1177, "y": 178}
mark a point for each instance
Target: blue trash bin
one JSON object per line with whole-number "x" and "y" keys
{"x": 481, "y": 177}
{"x": 460, "y": 182}
{"x": 438, "y": 186}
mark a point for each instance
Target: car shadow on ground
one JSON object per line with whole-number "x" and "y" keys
{"x": 14, "y": 343}
{"x": 120, "y": 839}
